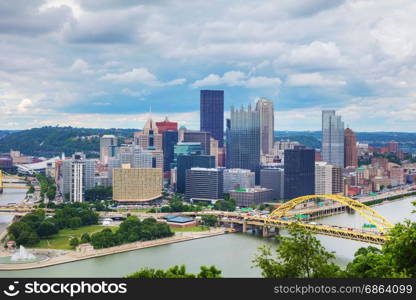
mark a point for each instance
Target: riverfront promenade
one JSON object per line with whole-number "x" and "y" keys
{"x": 74, "y": 256}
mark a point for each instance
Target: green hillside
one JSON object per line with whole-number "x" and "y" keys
{"x": 52, "y": 141}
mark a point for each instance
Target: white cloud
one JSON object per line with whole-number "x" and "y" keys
{"x": 25, "y": 105}
{"x": 312, "y": 79}
{"x": 316, "y": 55}
{"x": 140, "y": 76}
{"x": 238, "y": 78}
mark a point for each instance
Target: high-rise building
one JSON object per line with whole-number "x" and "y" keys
{"x": 186, "y": 162}
{"x": 170, "y": 139}
{"x": 337, "y": 183}
{"x": 150, "y": 140}
{"x": 77, "y": 176}
{"x": 328, "y": 179}
{"x": 108, "y": 146}
{"x": 212, "y": 114}
{"x": 202, "y": 137}
{"x": 332, "y": 138}
{"x": 350, "y": 149}
{"x": 393, "y": 147}
{"x": 273, "y": 178}
{"x": 243, "y": 140}
{"x": 181, "y": 133}
{"x": 182, "y": 148}
{"x": 265, "y": 107}
{"x": 299, "y": 172}
{"x": 323, "y": 178}
{"x": 204, "y": 184}
{"x": 238, "y": 178}
{"x": 136, "y": 184}
{"x": 166, "y": 125}
{"x": 214, "y": 150}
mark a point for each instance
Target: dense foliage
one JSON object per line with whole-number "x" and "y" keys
{"x": 131, "y": 230}
{"x": 210, "y": 220}
{"x": 99, "y": 193}
{"x": 300, "y": 255}
{"x": 396, "y": 258}
{"x": 36, "y": 225}
{"x": 228, "y": 204}
{"x": 176, "y": 204}
{"x": 51, "y": 141}
{"x": 177, "y": 272}
{"x": 47, "y": 186}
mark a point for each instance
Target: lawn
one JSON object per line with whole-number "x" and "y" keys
{"x": 194, "y": 229}
{"x": 61, "y": 239}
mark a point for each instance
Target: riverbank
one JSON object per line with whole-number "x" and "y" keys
{"x": 74, "y": 256}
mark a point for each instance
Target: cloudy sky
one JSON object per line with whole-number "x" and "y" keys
{"x": 107, "y": 63}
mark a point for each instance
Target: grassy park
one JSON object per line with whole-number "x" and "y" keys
{"x": 60, "y": 240}
{"x": 190, "y": 229}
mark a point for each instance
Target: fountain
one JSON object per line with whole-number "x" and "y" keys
{"x": 22, "y": 254}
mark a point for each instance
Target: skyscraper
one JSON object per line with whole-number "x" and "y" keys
{"x": 243, "y": 144}
{"x": 202, "y": 137}
{"x": 350, "y": 149}
{"x": 150, "y": 140}
{"x": 166, "y": 125}
{"x": 265, "y": 107}
{"x": 108, "y": 144}
{"x": 170, "y": 139}
{"x": 203, "y": 184}
{"x": 299, "y": 174}
{"x": 212, "y": 114}
{"x": 332, "y": 138}
{"x": 77, "y": 176}
{"x": 186, "y": 162}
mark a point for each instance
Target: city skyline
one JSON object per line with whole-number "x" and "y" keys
{"x": 62, "y": 64}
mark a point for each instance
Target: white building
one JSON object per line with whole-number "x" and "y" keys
{"x": 323, "y": 178}
{"x": 238, "y": 178}
{"x": 78, "y": 176}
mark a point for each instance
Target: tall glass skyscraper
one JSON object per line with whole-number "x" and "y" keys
{"x": 243, "y": 140}
{"x": 170, "y": 139}
{"x": 212, "y": 114}
{"x": 332, "y": 138}
{"x": 265, "y": 107}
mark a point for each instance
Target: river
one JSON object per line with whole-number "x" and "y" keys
{"x": 232, "y": 253}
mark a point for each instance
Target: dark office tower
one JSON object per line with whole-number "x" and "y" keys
{"x": 204, "y": 184}
{"x": 170, "y": 139}
{"x": 186, "y": 162}
{"x": 243, "y": 144}
{"x": 228, "y": 145}
{"x": 212, "y": 114}
{"x": 202, "y": 137}
{"x": 299, "y": 171}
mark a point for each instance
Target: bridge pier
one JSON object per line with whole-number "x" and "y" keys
{"x": 244, "y": 226}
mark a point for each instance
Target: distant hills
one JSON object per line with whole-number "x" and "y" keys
{"x": 312, "y": 139}
{"x": 51, "y": 141}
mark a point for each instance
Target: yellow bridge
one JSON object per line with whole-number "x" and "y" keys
{"x": 283, "y": 217}
{"x": 6, "y": 178}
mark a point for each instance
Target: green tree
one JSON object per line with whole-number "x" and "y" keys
{"x": 74, "y": 242}
{"x": 210, "y": 220}
{"x": 85, "y": 238}
{"x": 47, "y": 228}
{"x": 176, "y": 272}
{"x": 299, "y": 256}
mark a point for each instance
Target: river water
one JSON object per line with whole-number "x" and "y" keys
{"x": 232, "y": 253}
